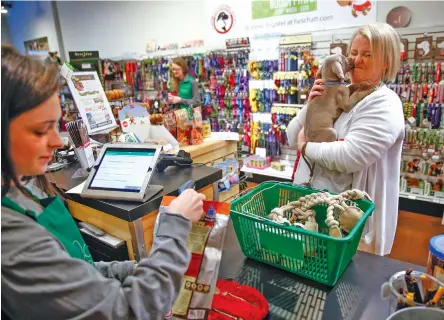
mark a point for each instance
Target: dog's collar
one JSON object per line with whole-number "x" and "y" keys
{"x": 331, "y": 83}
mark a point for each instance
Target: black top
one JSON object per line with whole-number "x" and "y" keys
{"x": 171, "y": 180}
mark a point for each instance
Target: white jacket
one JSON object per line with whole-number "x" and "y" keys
{"x": 368, "y": 158}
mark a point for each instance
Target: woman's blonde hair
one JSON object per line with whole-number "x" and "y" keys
{"x": 385, "y": 46}
{"x": 183, "y": 65}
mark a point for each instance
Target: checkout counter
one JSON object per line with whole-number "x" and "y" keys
{"x": 131, "y": 222}
{"x": 357, "y": 294}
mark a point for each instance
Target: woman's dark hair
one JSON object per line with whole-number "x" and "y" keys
{"x": 26, "y": 83}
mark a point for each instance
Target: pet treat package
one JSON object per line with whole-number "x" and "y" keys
{"x": 169, "y": 121}
{"x": 197, "y": 135}
{"x": 184, "y": 127}
{"x": 206, "y": 242}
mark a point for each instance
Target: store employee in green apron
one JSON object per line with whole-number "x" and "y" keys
{"x": 185, "y": 88}
{"x": 47, "y": 269}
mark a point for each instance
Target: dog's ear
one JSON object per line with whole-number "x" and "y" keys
{"x": 319, "y": 73}
{"x": 337, "y": 70}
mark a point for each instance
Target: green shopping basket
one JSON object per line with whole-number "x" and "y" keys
{"x": 313, "y": 255}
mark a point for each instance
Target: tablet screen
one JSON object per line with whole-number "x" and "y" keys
{"x": 123, "y": 169}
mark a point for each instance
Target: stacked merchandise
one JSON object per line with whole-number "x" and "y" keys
{"x": 421, "y": 89}
{"x": 278, "y": 88}
{"x": 225, "y": 99}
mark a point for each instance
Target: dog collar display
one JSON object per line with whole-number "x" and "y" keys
{"x": 331, "y": 83}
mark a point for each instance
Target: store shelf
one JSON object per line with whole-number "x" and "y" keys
{"x": 270, "y": 172}
{"x": 287, "y": 105}
{"x": 227, "y": 196}
{"x": 421, "y": 198}
{"x": 281, "y": 75}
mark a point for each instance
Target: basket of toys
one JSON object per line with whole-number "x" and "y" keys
{"x": 308, "y": 232}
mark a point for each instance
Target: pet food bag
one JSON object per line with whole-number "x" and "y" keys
{"x": 205, "y": 241}
{"x": 184, "y": 127}
{"x": 197, "y": 133}
{"x": 169, "y": 121}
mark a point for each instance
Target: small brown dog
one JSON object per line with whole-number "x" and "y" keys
{"x": 324, "y": 110}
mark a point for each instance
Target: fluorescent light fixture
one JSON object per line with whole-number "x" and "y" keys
{"x": 4, "y": 10}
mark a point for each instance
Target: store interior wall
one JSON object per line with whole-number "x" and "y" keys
{"x": 6, "y": 34}
{"x": 115, "y": 27}
{"x": 31, "y": 20}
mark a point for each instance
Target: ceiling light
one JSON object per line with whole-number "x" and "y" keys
{"x": 3, "y": 10}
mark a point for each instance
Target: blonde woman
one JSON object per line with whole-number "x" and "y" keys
{"x": 367, "y": 154}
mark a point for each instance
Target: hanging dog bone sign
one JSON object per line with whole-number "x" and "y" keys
{"x": 439, "y": 51}
{"x": 424, "y": 48}
{"x": 338, "y": 48}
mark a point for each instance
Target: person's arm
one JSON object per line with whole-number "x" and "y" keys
{"x": 375, "y": 128}
{"x": 116, "y": 269}
{"x": 296, "y": 125}
{"x": 41, "y": 281}
{"x": 195, "y": 101}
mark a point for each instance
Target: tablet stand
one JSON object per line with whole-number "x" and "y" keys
{"x": 151, "y": 191}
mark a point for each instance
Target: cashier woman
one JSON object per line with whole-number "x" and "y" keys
{"x": 184, "y": 86}
{"x": 47, "y": 271}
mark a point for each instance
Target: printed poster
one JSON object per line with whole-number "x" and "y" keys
{"x": 91, "y": 101}
{"x": 251, "y": 18}
{"x": 37, "y": 47}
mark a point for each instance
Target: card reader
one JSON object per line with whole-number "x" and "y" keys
{"x": 183, "y": 159}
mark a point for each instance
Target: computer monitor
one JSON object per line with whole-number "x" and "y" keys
{"x": 123, "y": 172}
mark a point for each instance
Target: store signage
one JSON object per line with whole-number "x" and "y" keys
{"x": 399, "y": 17}
{"x": 75, "y": 55}
{"x": 338, "y": 48}
{"x": 91, "y": 101}
{"x": 424, "y": 48}
{"x": 274, "y": 8}
{"x": 249, "y": 18}
{"x": 300, "y": 39}
{"x": 237, "y": 43}
{"x": 439, "y": 51}
{"x": 223, "y": 19}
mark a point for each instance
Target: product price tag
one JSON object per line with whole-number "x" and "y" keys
{"x": 261, "y": 152}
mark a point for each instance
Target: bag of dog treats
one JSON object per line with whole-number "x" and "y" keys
{"x": 184, "y": 127}
{"x": 169, "y": 121}
{"x": 197, "y": 134}
{"x": 206, "y": 242}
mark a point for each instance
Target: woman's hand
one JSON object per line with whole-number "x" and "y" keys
{"x": 173, "y": 99}
{"x": 317, "y": 90}
{"x": 301, "y": 139}
{"x": 189, "y": 204}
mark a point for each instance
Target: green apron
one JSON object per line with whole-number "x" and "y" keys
{"x": 186, "y": 92}
{"x": 56, "y": 219}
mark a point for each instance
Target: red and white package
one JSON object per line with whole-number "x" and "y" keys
{"x": 206, "y": 242}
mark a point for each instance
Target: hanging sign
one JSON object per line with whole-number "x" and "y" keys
{"x": 91, "y": 102}
{"x": 424, "y": 48}
{"x": 439, "y": 51}
{"x": 338, "y": 48}
{"x": 80, "y": 55}
{"x": 237, "y": 43}
{"x": 247, "y": 18}
{"x": 295, "y": 40}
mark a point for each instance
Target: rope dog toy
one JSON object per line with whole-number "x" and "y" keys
{"x": 301, "y": 211}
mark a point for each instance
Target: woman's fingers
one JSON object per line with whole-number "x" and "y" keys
{"x": 316, "y": 91}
